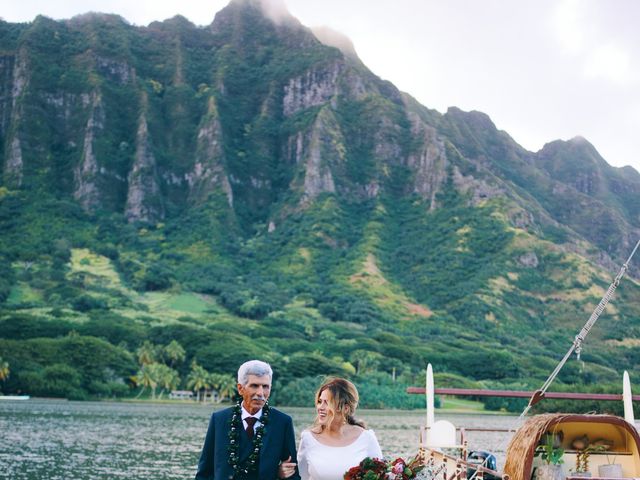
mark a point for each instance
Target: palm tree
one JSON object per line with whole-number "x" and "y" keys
{"x": 365, "y": 360}
{"x": 227, "y": 388}
{"x": 147, "y": 353}
{"x": 198, "y": 379}
{"x": 147, "y": 376}
{"x": 174, "y": 352}
{"x": 168, "y": 378}
{"x": 224, "y": 384}
{"x": 4, "y": 370}
{"x": 214, "y": 381}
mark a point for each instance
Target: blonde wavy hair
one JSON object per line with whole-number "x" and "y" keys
{"x": 343, "y": 401}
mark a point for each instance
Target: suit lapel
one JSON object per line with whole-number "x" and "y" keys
{"x": 269, "y": 453}
{"x": 266, "y": 440}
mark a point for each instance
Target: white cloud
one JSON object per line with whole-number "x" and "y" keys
{"x": 609, "y": 62}
{"x": 568, "y": 26}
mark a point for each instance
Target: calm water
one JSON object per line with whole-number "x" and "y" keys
{"x": 59, "y": 440}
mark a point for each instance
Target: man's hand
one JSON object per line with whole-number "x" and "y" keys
{"x": 287, "y": 468}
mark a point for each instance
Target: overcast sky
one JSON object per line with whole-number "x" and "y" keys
{"x": 542, "y": 70}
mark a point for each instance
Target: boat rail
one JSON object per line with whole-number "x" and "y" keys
{"x": 471, "y": 392}
{"x": 440, "y": 465}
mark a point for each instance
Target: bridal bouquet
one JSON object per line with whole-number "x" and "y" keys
{"x": 401, "y": 470}
{"x": 376, "y": 469}
{"x": 368, "y": 469}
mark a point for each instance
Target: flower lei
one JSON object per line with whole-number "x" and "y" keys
{"x": 250, "y": 464}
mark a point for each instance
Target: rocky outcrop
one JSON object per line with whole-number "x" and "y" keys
{"x": 322, "y": 84}
{"x": 528, "y": 259}
{"x": 178, "y": 76}
{"x": 477, "y": 189}
{"x": 86, "y": 173}
{"x": 588, "y": 183}
{"x": 521, "y": 218}
{"x": 20, "y": 77}
{"x": 144, "y": 199}
{"x": 387, "y": 149}
{"x": 208, "y": 173}
{"x": 65, "y": 104}
{"x": 325, "y": 149}
{"x": 115, "y": 70}
{"x": 429, "y": 162}
{"x": 315, "y": 87}
{"x": 14, "y": 165}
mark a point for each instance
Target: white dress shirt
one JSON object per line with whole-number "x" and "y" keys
{"x": 246, "y": 414}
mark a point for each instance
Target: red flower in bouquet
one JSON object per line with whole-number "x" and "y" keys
{"x": 376, "y": 469}
{"x": 367, "y": 469}
{"x": 399, "y": 469}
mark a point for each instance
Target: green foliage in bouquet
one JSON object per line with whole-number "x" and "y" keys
{"x": 377, "y": 469}
{"x": 367, "y": 469}
{"x": 399, "y": 469}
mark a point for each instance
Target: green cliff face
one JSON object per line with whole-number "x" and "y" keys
{"x": 249, "y": 191}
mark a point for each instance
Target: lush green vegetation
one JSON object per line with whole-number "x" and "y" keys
{"x": 72, "y": 323}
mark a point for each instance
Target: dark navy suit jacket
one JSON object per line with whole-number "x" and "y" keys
{"x": 278, "y": 444}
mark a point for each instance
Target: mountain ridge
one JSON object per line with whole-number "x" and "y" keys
{"x": 279, "y": 178}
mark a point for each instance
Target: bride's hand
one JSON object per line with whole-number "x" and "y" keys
{"x": 286, "y": 468}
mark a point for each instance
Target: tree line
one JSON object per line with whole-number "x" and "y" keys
{"x": 157, "y": 370}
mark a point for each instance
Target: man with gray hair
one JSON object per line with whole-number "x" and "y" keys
{"x": 251, "y": 440}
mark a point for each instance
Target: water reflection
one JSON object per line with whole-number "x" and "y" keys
{"x": 59, "y": 440}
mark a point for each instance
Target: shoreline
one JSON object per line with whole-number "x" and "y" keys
{"x": 193, "y": 403}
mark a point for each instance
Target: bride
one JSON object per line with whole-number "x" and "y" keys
{"x": 336, "y": 441}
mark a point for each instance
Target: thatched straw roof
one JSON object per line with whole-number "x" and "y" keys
{"x": 523, "y": 444}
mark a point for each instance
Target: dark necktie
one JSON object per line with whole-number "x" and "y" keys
{"x": 250, "y": 423}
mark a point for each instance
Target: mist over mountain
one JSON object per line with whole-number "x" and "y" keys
{"x": 249, "y": 190}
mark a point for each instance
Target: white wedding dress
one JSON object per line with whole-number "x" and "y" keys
{"x": 317, "y": 461}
